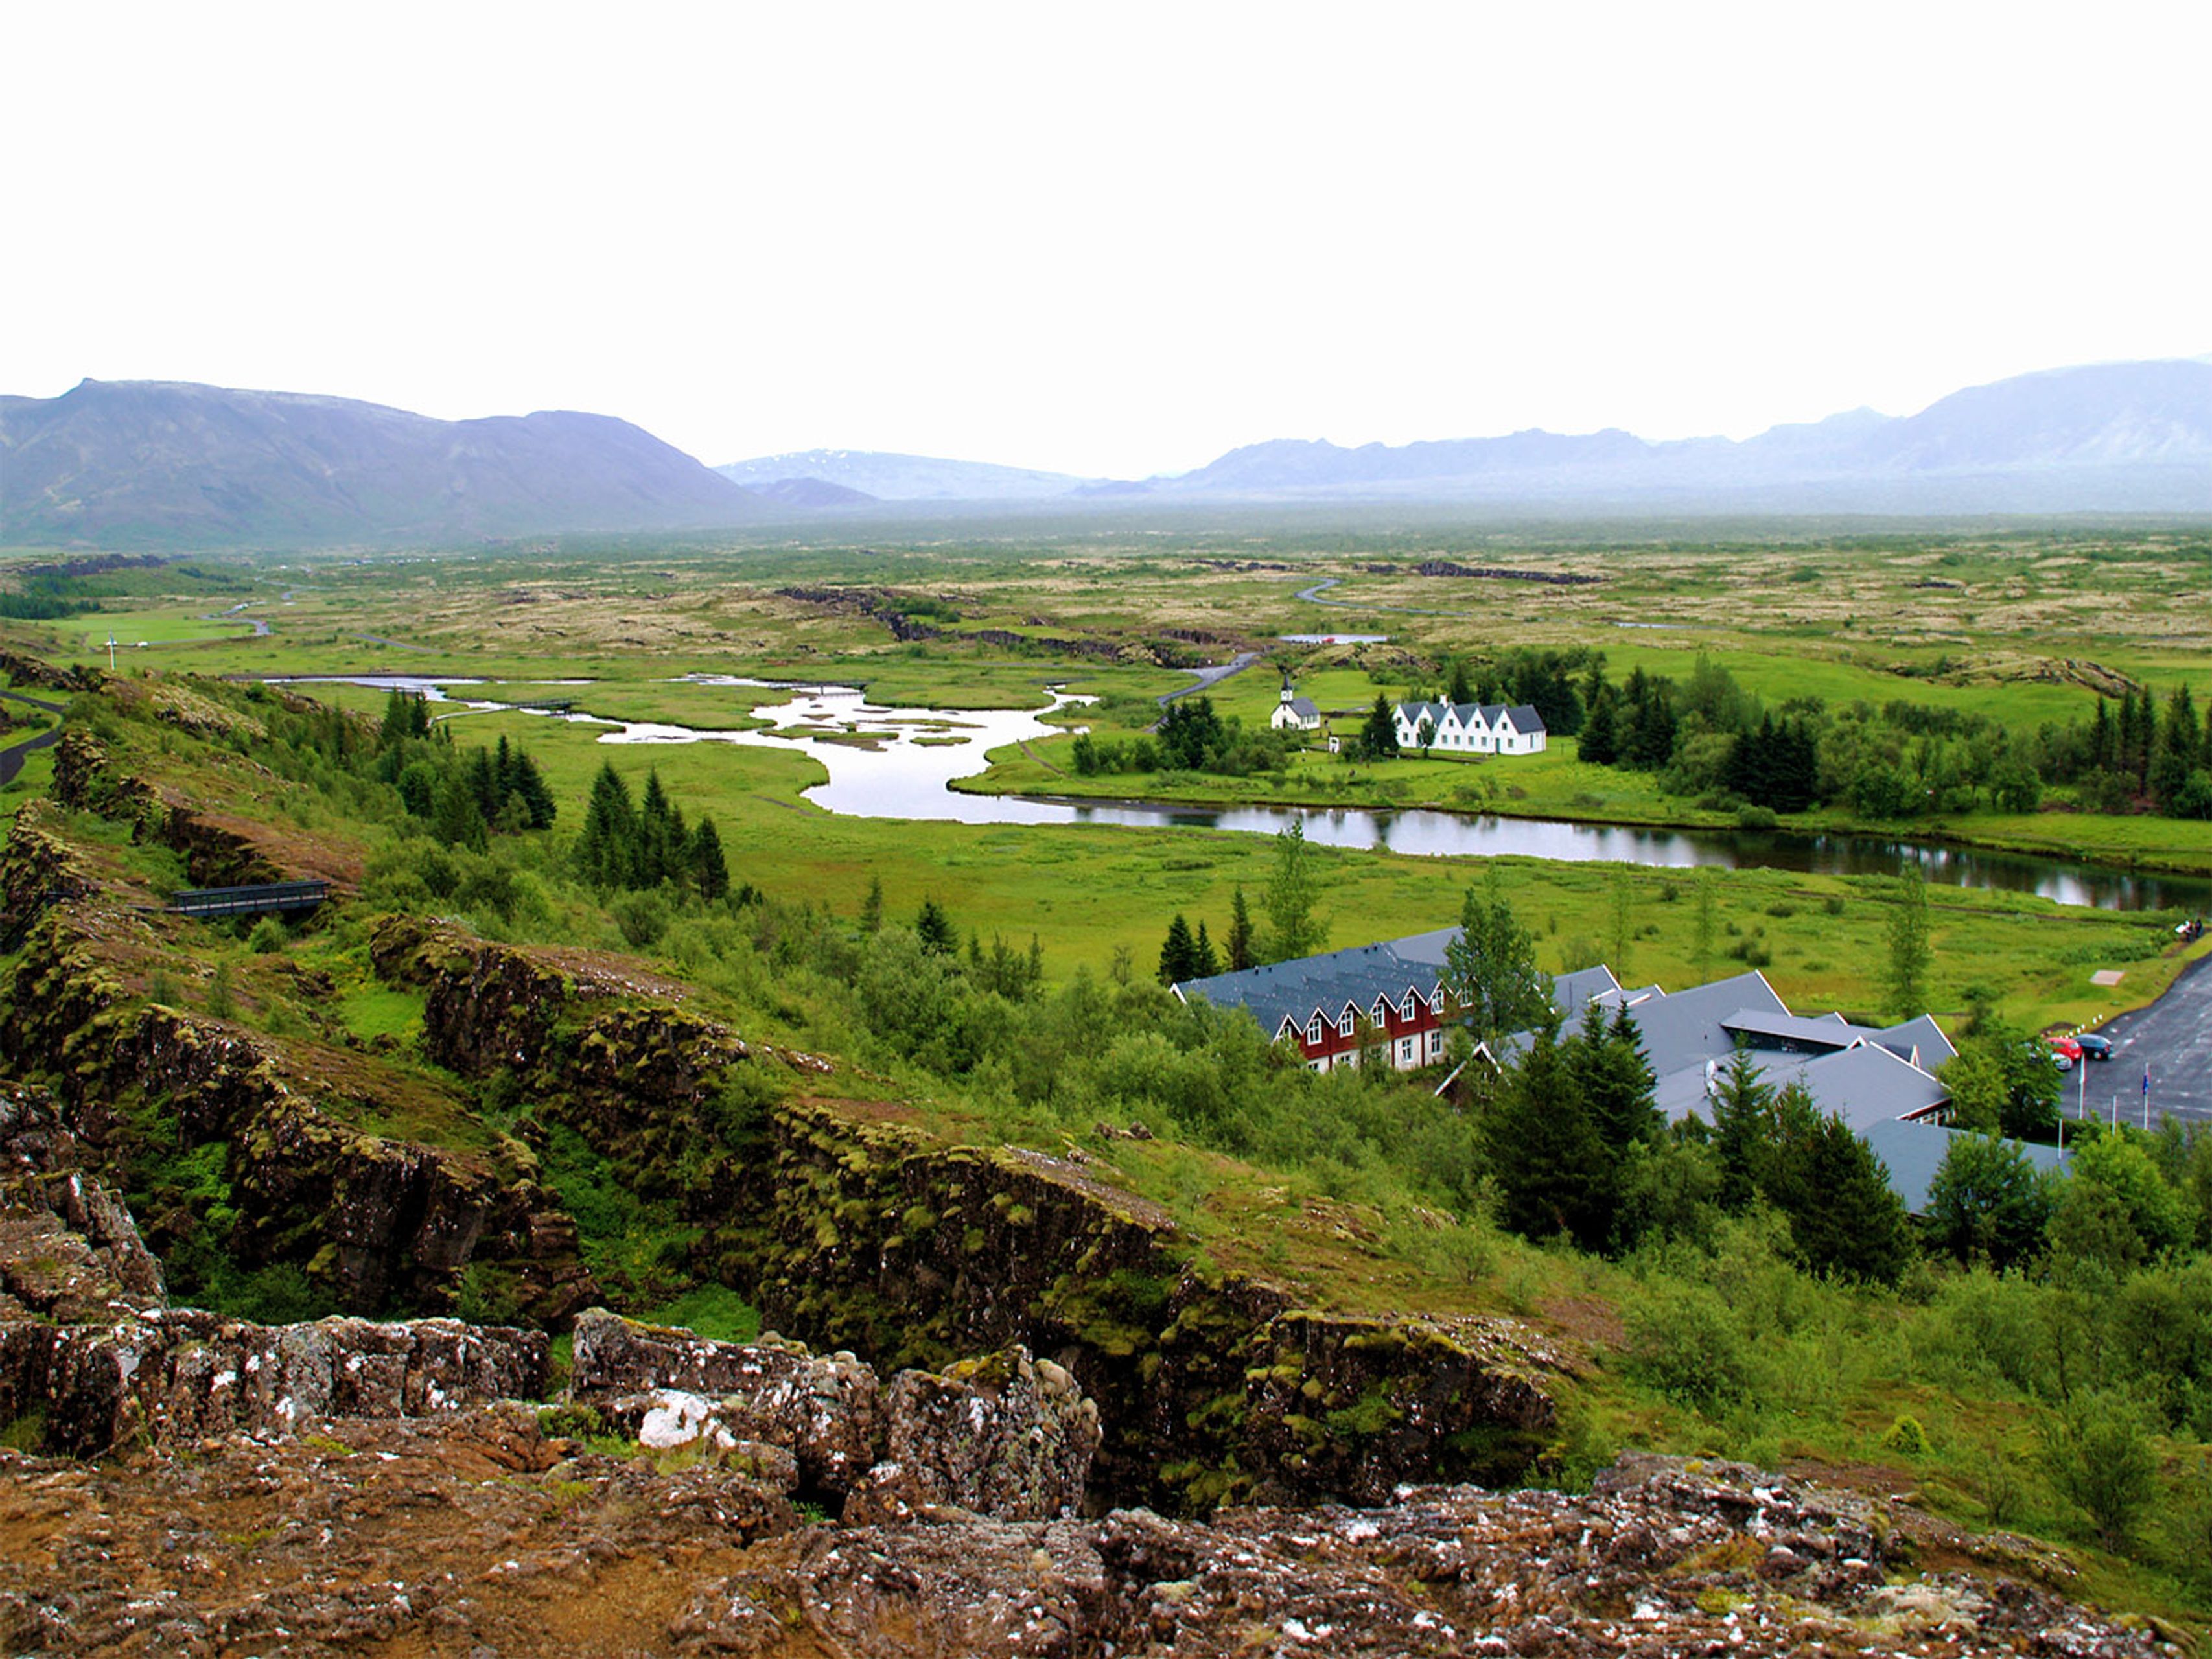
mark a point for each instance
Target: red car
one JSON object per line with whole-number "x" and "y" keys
{"x": 2066, "y": 1052}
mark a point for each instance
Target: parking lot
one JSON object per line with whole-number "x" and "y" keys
{"x": 2174, "y": 1038}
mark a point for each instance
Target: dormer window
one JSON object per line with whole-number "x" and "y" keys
{"x": 1409, "y": 1005}
{"x": 1381, "y": 1011}
{"x": 1314, "y": 1028}
{"x": 1345, "y": 1022}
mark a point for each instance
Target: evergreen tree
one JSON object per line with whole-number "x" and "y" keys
{"x": 2180, "y": 743}
{"x": 1204, "y": 963}
{"x": 2104, "y": 741}
{"x": 710, "y": 873}
{"x": 1178, "y": 953}
{"x": 482, "y": 780}
{"x": 457, "y": 820}
{"x": 1600, "y": 742}
{"x": 529, "y": 788}
{"x": 1742, "y": 1104}
{"x": 1241, "y": 954}
{"x": 660, "y": 835}
{"x": 1845, "y": 1219}
{"x": 604, "y": 850}
{"x": 1542, "y": 1149}
{"x": 1607, "y": 1063}
{"x": 871, "y": 907}
{"x": 1460, "y": 690}
{"x": 1378, "y": 735}
{"x": 935, "y": 931}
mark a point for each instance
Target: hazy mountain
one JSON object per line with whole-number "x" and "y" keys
{"x": 177, "y": 464}
{"x": 810, "y": 493}
{"x": 890, "y": 477}
{"x": 2111, "y": 437}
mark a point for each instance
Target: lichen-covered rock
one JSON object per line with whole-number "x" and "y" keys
{"x": 826, "y": 1413}
{"x": 1005, "y": 1436}
{"x": 184, "y": 1374}
{"x": 69, "y": 1250}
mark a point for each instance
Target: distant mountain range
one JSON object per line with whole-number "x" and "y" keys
{"x": 143, "y": 464}
{"x": 2116, "y": 437}
{"x": 881, "y": 476}
{"x": 173, "y": 465}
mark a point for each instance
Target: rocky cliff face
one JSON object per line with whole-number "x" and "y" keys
{"x": 874, "y": 1238}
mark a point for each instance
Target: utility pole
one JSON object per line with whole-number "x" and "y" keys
{"x": 111, "y": 651}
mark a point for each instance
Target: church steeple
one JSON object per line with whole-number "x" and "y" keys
{"x": 1285, "y": 698}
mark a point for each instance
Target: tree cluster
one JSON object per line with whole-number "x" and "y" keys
{"x": 1192, "y": 736}
{"x": 647, "y": 845}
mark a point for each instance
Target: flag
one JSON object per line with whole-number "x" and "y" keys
{"x": 2146, "y": 1082}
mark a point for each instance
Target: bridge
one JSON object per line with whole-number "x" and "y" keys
{"x": 207, "y": 902}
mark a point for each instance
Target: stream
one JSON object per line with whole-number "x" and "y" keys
{"x": 900, "y": 764}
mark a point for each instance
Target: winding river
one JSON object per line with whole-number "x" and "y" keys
{"x": 901, "y": 763}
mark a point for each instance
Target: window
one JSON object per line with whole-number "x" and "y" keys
{"x": 1408, "y": 1012}
{"x": 1406, "y": 1050}
{"x": 1345, "y": 1022}
{"x": 1313, "y": 1029}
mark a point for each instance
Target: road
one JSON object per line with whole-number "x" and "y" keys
{"x": 2174, "y": 1038}
{"x": 13, "y": 756}
{"x": 1209, "y": 677}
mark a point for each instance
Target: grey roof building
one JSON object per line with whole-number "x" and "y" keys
{"x": 1913, "y": 1153}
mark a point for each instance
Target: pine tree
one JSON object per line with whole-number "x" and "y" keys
{"x": 1241, "y": 956}
{"x": 2104, "y": 741}
{"x": 1542, "y": 1149}
{"x": 529, "y": 788}
{"x": 658, "y": 829}
{"x": 1378, "y": 735}
{"x": 710, "y": 873}
{"x": 1177, "y": 952}
{"x": 1616, "y": 1082}
{"x": 458, "y": 820}
{"x": 1740, "y": 1103}
{"x": 603, "y": 851}
{"x": 2180, "y": 741}
{"x": 1460, "y": 690}
{"x": 1845, "y": 1219}
{"x": 935, "y": 931}
{"x": 871, "y": 907}
{"x": 1204, "y": 962}
{"x": 1600, "y": 742}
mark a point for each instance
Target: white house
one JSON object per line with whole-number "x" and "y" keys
{"x": 1294, "y": 713}
{"x": 1470, "y": 728}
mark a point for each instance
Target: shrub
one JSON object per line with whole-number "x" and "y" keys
{"x": 2098, "y": 1453}
{"x": 1683, "y": 1342}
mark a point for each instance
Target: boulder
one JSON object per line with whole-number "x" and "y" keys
{"x": 826, "y": 1413}
{"x": 1005, "y": 1436}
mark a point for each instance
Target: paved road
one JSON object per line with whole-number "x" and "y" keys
{"x": 2174, "y": 1038}
{"x": 1209, "y": 677}
{"x": 12, "y": 757}
{"x": 1319, "y": 594}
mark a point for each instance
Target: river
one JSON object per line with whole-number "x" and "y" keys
{"x": 901, "y": 762}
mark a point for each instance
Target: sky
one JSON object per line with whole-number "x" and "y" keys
{"x": 1108, "y": 239}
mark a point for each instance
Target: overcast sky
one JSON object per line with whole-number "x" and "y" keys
{"x": 1104, "y": 239}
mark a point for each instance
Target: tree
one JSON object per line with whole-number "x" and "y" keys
{"x": 1178, "y": 954}
{"x": 1905, "y": 982}
{"x": 604, "y": 855}
{"x": 1742, "y": 1103}
{"x": 1542, "y": 1148}
{"x": 1844, "y": 1218}
{"x": 1490, "y": 969}
{"x": 871, "y": 907}
{"x": 1294, "y": 889}
{"x": 1241, "y": 954}
{"x": 1190, "y": 734}
{"x": 1703, "y": 925}
{"x": 1607, "y": 1060}
{"x": 1378, "y": 735}
{"x": 1204, "y": 963}
{"x": 1624, "y": 921}
{"x": 2002, "y": 1082}
{"x": 1988, "y": 1203}
{"x": 1460, "y": 691}
{"x": 1600, "y": 743}
{"x": 457, "y": 820}
{"x": 2098, "y": 1453}
{"x": 709, "y": 871}
{"x": 934, "y": 930}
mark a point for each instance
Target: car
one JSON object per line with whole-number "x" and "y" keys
{"x": 2093, "y": 1047}
{"x": 2065, "y": 1051}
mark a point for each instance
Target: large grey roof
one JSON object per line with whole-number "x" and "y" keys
{"x": 1525, "y": 718}
{"x": 1913, "y": 1153}
{"x": 1356, "y": 975}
